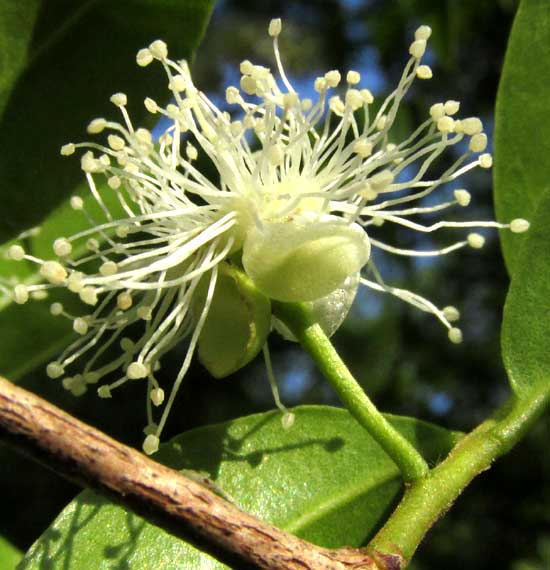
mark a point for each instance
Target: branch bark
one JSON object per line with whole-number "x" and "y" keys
{"x": 183, "y": 507}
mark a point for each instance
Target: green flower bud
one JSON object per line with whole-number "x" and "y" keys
{"x": 304, "y": 259}
{"x": 237, "y": 324}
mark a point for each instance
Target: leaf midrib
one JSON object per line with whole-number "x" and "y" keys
{"x": 58, "y": 34}
{"x": 322, "y": 508}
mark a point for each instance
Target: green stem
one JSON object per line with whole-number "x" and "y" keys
{"x": 427, "y": 499}
{"x": 297, "y": 317}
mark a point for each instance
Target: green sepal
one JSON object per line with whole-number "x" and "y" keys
{"x": 304, "y": 259}
{"x": 237, "y": 325}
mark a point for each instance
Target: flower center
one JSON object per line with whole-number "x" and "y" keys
{"x": 290, "y": 197}
{"x": 281, "y": 201}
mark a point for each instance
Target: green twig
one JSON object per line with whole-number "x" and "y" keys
{"x": 426, "y": 500}
{"x": 431, "y": 493}
{"x": 298, "y": 319}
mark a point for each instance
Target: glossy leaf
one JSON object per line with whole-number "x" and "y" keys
{"x": 9, "y": 555}
{"x": 324, "y": 480}
{"x": 81, "y": 53}
{"x": 522, "y": 130}
{"x": 526, "y": 326}
{"x": 17, "y": 21}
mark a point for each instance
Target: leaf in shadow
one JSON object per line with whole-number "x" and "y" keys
{"x": 17, "y": 20}
{"x": 526, "y": 324}
{"x": 79, "y": 58}
{"x": 522, "y": 122}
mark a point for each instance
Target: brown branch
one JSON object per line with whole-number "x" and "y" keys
{"x": 174, "y": 502}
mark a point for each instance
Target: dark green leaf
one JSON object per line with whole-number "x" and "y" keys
{"x": 522, "y": 133}
{"x": 9, "y": 555}
{"x": 81, "y": 54}
{"x": 324, "y": 480}
{"x": 17, "y": 21}
{"x": 526, "y": 326}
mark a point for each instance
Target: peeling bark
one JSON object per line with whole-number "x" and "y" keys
{"x": 176, "y": 503}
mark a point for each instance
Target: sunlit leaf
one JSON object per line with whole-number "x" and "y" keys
{"x": 324, "y": 480}
{"x": 522, "y": 131}
{"x": 9, "y": 555}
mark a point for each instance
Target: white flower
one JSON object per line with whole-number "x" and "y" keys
{"x": 300, "y": 186}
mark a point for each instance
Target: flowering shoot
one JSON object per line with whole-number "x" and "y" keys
{"x": 301, "y": 188}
